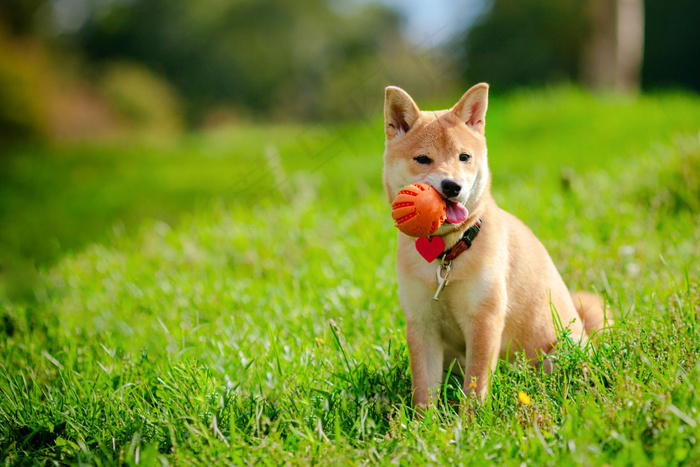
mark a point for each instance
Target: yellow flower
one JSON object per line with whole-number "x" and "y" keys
{"x": 319, "y": 341}
{"x": 472, "y": 385}
{"x": 524, "y": 398}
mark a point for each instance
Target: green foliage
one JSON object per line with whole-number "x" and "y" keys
{"x": 264, "y": 327}
{"x": 54, "y": 200}
{"x": 145, "y": 101}
{"x": 677, "y": 186}
{"x": 20, "y": 15}
{"x": 671, "y": 45}
{"x": 274, "y": 58}
{"x": 526, "y": 42}
{"x": 21, "y": 107}
{"x": 533, "y": 42}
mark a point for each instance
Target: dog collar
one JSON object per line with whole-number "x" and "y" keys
{"x": 463, "y": 243}
{"x": 446, "y": 257}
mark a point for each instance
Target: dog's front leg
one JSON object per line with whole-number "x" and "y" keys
{"x": 425, "y": 350}
{"x": 483, "y": 332}
{"x": 425, "y": 354}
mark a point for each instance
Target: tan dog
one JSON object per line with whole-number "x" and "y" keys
{"x": 503, "y": 290}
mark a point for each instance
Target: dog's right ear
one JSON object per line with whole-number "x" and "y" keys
{"x": 400, "y": 112}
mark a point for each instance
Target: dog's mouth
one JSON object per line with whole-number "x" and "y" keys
{"x": 456, "y": 213}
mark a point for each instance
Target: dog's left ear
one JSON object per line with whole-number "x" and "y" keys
{"x": 471, "y": 108}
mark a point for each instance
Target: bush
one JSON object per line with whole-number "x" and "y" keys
{"x": 145, "y": 101}
{"x": 21, "y": 105}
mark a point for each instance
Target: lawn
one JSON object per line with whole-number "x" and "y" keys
{"x": 231, "y": 298}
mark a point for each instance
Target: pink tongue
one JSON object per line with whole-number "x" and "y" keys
{"x": 456, "y": 213}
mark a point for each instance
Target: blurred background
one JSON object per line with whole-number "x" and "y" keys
{"x": 104, "y": 103}
{"x": 85, "y": 68}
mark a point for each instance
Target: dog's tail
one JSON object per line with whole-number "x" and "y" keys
{"x": 590, "y": 308}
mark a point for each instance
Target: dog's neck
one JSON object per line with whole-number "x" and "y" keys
{"x": 451, "y": 238}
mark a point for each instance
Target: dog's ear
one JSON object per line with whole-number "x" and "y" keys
{"x": 471, "y": 108}
{"x": 400, "y": 112}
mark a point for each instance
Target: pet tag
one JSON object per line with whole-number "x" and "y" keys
{"x": 442, "y": 280}
{"x": 430, "y": 247}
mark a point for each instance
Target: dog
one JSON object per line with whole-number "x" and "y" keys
{"x": 503, "y": 293}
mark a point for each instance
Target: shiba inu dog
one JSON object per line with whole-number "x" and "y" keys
{"x": 504, "y": 293}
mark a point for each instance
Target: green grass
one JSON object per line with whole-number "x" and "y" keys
{"x": 208, "y": 312}
{"x": 55, "y": 200}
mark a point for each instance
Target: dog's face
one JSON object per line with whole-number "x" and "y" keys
{"x": 446, "y": 149}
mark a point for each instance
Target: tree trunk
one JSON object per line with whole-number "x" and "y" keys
{"x": 630, "y": 44}
{"x": 613, "y": 57}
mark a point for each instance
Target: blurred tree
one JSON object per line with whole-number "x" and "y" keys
{"x": 144, "y": 102}
{"x": 630, "y": 44}
{"x": 613, "y": 55}
{"x": 22, "y": 106}
{"x": 604, "y": 43}
{"x": 672, "y": 44}
{"x": 19, "y": 15}
{"x": 267, "y": 56}
{"x": 525, "y": 42}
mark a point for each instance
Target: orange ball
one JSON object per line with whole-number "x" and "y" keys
{"x": 418, "y": 210}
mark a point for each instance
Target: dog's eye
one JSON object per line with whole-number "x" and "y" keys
{"x": 464, "y": 157}
{"x": 423, "y": 159}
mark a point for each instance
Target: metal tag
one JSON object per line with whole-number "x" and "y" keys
{"x": 442, "y": 280}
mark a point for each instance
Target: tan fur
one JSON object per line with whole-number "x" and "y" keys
{"x": 502, "y": 292}
{"x": 590, "y": 307}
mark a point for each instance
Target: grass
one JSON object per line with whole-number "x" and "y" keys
{"x": 55, "y": 200}
{"x": 231, "y": 304}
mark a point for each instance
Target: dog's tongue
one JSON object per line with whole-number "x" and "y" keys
{"x": 456, "y": 213}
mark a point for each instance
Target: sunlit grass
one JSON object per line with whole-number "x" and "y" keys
{"x": 54, "y": 200}
{"x": 264, "y": 326}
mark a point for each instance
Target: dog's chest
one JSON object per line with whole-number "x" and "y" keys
{"x": 451, "y": 321}
{"x": 452, "y": 313}
{"x": 457, "y": 301}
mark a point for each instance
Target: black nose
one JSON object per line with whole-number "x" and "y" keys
{"x": 450, "y": 188}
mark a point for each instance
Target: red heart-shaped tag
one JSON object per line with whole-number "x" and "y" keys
{"x": 430, "y": 247}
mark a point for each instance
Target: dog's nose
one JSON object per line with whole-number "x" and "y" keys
{"x": 450, "y": 188}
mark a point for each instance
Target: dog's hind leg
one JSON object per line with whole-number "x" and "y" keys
{"x": 590, "y": 308}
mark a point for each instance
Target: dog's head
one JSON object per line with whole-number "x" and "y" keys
{"x": 445, "y": 148}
